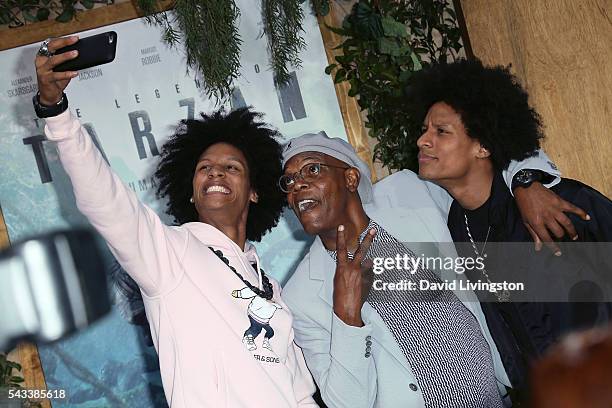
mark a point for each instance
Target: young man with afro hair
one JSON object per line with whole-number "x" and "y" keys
{"x": 477, "y": 119}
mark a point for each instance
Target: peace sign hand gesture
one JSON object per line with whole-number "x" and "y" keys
{"x": 353, "y": 279}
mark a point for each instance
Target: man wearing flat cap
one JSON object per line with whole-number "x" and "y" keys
{"x": 365, "y": 350}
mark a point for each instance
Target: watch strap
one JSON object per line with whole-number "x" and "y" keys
{"x": 524, "y": 178}
{"x": 44, "y": 111}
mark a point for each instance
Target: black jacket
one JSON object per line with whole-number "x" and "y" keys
{"x": 523, "y": 330}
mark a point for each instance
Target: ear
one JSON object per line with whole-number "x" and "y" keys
{"x": 254, "y": 196}
{"x": 483, "y": 152}
{"x": 351, "y": 179}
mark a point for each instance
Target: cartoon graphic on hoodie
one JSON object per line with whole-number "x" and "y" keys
{"x": 260, "y": 312}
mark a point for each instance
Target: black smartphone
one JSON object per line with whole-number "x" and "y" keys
{"x": 95, "y": 50}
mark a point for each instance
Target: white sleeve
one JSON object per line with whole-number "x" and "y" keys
{"x": 146, "y": 248}
{"x": 540, "y": 161}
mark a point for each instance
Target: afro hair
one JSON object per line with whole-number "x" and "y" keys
{"x": 493, "y": 106}
{"x": 241, "y": 128}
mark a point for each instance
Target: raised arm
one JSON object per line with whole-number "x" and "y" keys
{"x": 539, "y": 162}
{"x": 145, "y": 247}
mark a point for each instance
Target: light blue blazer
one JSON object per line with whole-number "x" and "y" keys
{"x": 347, "y": 375}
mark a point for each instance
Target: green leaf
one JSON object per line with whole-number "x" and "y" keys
{"x": 65, "y": 16}
{"x": 14, "y": 365}
{"x": 42, "y": 14}
{"x": 404, "y": 76}
{"x": 388, "y": 47}
{"x": 417, "y": 30}
{"x": 330, "y": 68}
{"x": 405, "y": 50}
{"x": 393, "y": 28}
{"x": 29, "y": 16}
{"x": 321, "y": 7}
{"x": 416, "y": 62}
{"x": 340, "y": 75}
{"x": 88, "y": 4}
{"x": 337, "y": 30}
{"x": 5, "y": 18}
{"x": 16, "y": 380}
{"x": 341, "y": 59}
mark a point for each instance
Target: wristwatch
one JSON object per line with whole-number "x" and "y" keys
{"x": 524, "y": 178}
{"x": 44, "y": 111}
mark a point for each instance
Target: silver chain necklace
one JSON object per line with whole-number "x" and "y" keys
{"x": 503, "y": 296}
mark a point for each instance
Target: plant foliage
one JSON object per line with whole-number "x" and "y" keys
{"x": 208, "y": 30}
{"x": 212, "y": 42}
{"x": 8, "y": 379}
{"x": 386, "y": 42}
{"x": 17, "y": 13}
{"x": 321, "y": 7}
{"x": 282, "y": 24}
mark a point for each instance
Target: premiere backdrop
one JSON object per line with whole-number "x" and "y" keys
{"x": 130, "y": 106}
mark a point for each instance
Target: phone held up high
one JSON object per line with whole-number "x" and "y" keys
{"x": 95, "y": 50}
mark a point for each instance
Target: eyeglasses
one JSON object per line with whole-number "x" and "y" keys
{"x": 309, "y": 173}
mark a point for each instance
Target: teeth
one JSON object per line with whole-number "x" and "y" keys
{"x": 303, "y": 203}
{"x": 219, "y": 189}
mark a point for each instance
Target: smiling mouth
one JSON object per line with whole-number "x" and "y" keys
{"x": 217, "y": 189}
{"x": 306, "y": 205}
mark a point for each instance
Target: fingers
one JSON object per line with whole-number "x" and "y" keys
{"x": 553, "y": 226}
{"x": 368, "y": 265}
{"x": 569, "y": 207}
{"x": 367, "y": 277}
{"x": 536, "y": 239}
{"x": 61, "y": 76}
{"x": 364, "y": 247}
{"x": 53, "y": 46}
{"x": 55, "y": 60}
{"x": 553, "y": 247}
{"x": 57, "y": 43}
{"x": 52, "y": 84}
{"x": 546, "y": 239}
{"x": 341, "y": 253}
{"x": 567, "y": 225}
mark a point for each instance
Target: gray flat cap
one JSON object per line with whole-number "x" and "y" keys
{"x": 334, "y": 147}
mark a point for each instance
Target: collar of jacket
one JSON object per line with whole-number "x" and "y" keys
{"x": 402, "y": 224}
{"x": 388, "y": 218}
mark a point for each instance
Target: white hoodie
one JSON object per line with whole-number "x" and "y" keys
{"x": 196, "y": 324}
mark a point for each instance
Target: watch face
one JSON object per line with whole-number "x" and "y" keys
{"x": 524, "y": 177}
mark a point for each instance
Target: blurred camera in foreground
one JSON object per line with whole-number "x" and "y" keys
{"x": 51, "y": 286}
